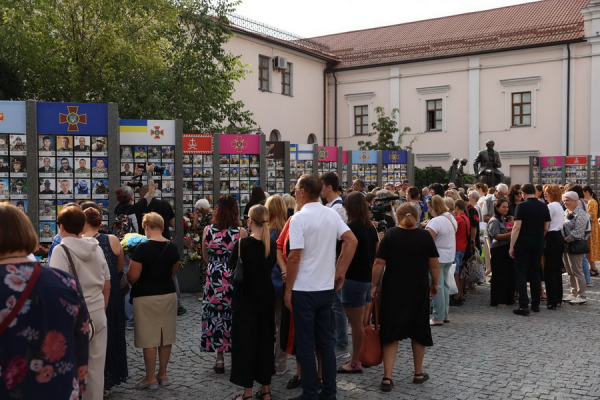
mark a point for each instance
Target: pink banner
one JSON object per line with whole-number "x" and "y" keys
{"x": 344, "y": 157}
{"x": 552, "y": 161}
{"x": 239, "y": 144}
{"x": 327, "y": 153}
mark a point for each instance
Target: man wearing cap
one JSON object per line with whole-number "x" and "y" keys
{"x": 46, "y": 144}
{"x": 65, "y": 168}
{"x": 99, "y": 145}
{"x": 100, "y": 187}
{"x": 20, "y": 205}
{"x": 16, "y": 167}
{"x": 82, "y": 167}
{"x": 47, "y": 167}
{"x": 19, "y": 188}
{"x": 82, "y": 187}
{"x": 46, "y": 233}
{"x": 141, "y": 153}
{"x": 3, "y": 168}
{"x": 47, "y": 211}
{"x": 66, "y": 143}
{"x": 99, "y": 168}
{"x": 82, "y": 146}
{"x": 18, "y": 145}
{"x": 47, "y": 189}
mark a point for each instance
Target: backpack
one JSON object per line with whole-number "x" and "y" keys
{"x": 123, "y": 225}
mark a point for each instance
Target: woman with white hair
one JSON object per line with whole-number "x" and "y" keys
{"x": 574, "y": 227}
{"x": 202, "y": 216}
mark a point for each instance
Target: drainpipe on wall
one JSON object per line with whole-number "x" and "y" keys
{"x": 568, "y": 93}
{"x": 325, "y": 106}
{"x": 335, "y": 122}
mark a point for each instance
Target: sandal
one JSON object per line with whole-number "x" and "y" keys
{"x": 260, "y": 395}
{"x": 446, "y": 321}
{"x": 594, "y": 272}
{"x": 386, "y": 387}
{"x": 243, "y": 398}
{"x": 221, "y": 369}
{"x": 423, "y": 379}
{"x": 356, "y": 368}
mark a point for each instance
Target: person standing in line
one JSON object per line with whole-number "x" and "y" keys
{"x": 574, "y": 226}
{"x": 487, "y": 212}
{"x": 594, "y": 240}
{"x": 502, "y": 289}
{"x": 253, "y": 326}
{"x": 553, "y": 251}
{"x": 442, "y": 229}
{"x": 532, "y": 220}
{"x": 312, "y": 278}
{"x": 463, "y": 233}
{"x": 331, "y": 182}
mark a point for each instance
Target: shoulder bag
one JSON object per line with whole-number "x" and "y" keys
{"x": 238, "y": 273}
{"x": 37, "y": 269}
{"x": 371, "y": 352}
{"x": 81, "y": 297}
{"x": 577, "y": 246}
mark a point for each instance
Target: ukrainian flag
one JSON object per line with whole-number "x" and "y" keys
{"x": 134, "y": 125}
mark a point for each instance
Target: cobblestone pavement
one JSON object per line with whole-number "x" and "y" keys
{"x": 484, "y": 353}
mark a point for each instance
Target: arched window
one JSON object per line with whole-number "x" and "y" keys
{"x": 312, "y": 139}
{"x": 274, "y": 136}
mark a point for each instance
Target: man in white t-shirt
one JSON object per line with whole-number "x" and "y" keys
{"x": 311, "y": 281}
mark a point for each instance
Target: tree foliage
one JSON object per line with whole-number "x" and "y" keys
{"x": 428, "y": 175}
{"x": 158, "y": 59}
{"x": 385, "y": 128}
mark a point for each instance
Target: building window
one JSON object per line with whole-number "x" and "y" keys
{"x": 521, "y": 109}
{"x": 286, "y": 80}
{"x": 361, "y": 120}
{"x": 312, "y": 139}
{"x": 263, "y": 73}
{"x": 275, "y": 136}
{"x": 434, "y": 115}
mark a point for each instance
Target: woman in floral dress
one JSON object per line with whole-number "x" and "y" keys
{"x": 218, "y": 240}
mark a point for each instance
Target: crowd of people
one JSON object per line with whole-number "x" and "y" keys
{"x": 289, "y": 278}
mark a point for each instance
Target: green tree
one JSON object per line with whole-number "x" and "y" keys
{"x": 158, "y": 59}
{"x": 385, "y": 128}
{"x": 428, "y": 175}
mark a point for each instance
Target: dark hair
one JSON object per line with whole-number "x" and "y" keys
{"x": 460, "y": 204}
{"x": 591, "y": 192}
{"x": 311, "y": 184}
{"x": 357, "y": 209}
{"x": 72, "y": 220}
{"x": 579, "y": 190}
{"x": 226, "y": 212}
{"x": 257, "y": 195}
{"x": 439, "y": 190}
{"x": 124, "y": 194}
{"x": 512, "y": 193}
{"x": 90, "y": 204}
{"x": 370, "y": 187}
{"x": 360, "y": 183}
{"x": 413, "y": 192}
{"x": 331, "y": 179}
{"x": 497, "y": 204}
{"x": 17, "y": 233}
{"x": 93, "y": 216}
{"x": 369, "y": 197}
{"x": 528, "y": 188}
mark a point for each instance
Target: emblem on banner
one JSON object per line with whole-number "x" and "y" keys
{"x": 72, "y": 118}
{"x": 1, "y": 117}
{"x": 239, "y": 144}
{"x": 322, "y": 154}
{"x": 552, "y": 161}
{"x": 192, "y": 144}
{"x": 157, "y": 132}
{"x": 394, "y": 157}
{"x": 364, "y": 157}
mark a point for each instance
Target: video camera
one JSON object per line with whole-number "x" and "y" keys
{"x": 379, "y": 211}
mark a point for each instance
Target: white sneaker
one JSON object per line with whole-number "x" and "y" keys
{"x": 570, "y": 298}
{"x": 579, "y": 300}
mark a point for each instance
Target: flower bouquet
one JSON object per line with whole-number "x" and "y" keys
{"x": 131, "y": 241}
{"x": 41, "y": 254}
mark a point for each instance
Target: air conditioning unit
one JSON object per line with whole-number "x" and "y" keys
{"x": 279, "y": 63}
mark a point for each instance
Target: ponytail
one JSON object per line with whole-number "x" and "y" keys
{"x": 260, "y": 216}
{"x": 407, "y": 215}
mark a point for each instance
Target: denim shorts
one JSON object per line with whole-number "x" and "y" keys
{"x": 355, "y": 293}
{"x": 458, "y": 259}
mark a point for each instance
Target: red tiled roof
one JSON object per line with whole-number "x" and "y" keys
{"x": 526, "y": 25}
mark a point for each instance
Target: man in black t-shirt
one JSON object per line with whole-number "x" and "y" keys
{"x": 532, "y": 220}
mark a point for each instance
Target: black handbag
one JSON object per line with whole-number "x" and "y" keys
{"x": 579, "y": 246}
{"x": 238, "y": 273}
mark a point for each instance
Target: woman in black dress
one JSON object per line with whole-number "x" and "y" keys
{"x": 253, "y": 325}
{"x": 410, "y": 256}
{"x": 503, "y": 270}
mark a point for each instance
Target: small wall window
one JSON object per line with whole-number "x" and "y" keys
{"x": 361, "y": 120}
{"x": 434, "y": 115}
{"x": 521, "y": 109}
{"x": 312, "y": 139}
{"x": 286, "y": 80}
{"x": 274, "y": 136}
{"x": 263, "y": 73}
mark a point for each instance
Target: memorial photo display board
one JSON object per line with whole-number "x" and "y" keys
{"x": 394, "y": 166}
{"x": 327, "y": 159}
{"x": 239, "y": 166}
{"x": 364, "y": 166}
{"x": 13, "y": 161}
{"x": 535, "y": 170}
{"x": 345, "y": 173}
{"x": 198, "y": 171}
{"x": 72, "y": 159}
{"x": 275, "y": 154}
{"x": 576, "y": 170}
{"x": 551, "y": 170}
{"x": 153, "y": 142}
{"x": 301, "y": 162}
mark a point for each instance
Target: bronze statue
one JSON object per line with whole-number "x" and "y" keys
{"x": 486, "y": 166}
{"x": 453, "y": 170}
{"x": 460, "y": 173}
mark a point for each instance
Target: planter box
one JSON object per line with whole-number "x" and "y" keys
{"x": 189, "y": 278}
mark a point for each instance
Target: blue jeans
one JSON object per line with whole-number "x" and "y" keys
{"x": 339, "y": 322}
{"x": 458, "y": 259}
{"x": 312, "y": 322}
{"x": 441, "y": 302}
{"x": 586, "y": 270}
